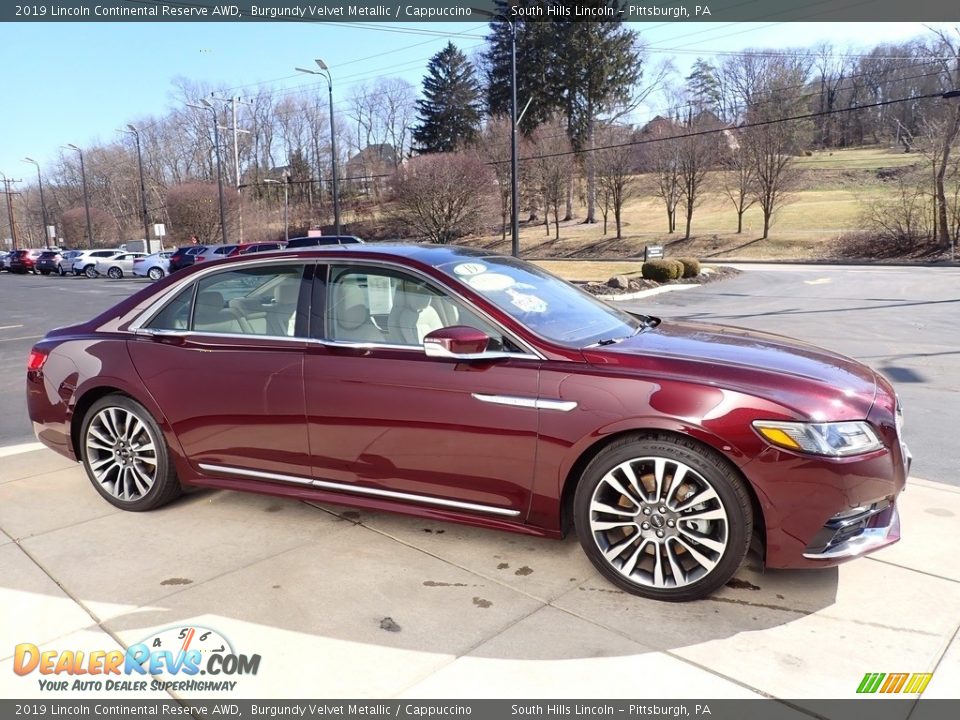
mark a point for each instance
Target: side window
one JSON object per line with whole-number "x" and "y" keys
{"x": 375, "y": 305}
{"x": 176, "y": 314}
{"x": 252, "y": 301}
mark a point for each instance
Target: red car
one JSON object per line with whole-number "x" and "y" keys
{"x": 451, "y": 384}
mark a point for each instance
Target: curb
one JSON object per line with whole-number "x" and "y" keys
{"x": 646, "y": 293}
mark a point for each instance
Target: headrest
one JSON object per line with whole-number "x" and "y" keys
{"x": 286, "y": 293}
{"x": 352, "y": 317}
{"x": 210, "y": 299}
{"x": 414, "y": 295}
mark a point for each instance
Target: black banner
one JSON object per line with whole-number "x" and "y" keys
{"x": 481, "y": 11}
{"x": 879, "y": 708}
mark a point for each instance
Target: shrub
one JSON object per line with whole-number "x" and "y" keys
{"x": 661, "y": 270}
{"x": 691, "y": 267}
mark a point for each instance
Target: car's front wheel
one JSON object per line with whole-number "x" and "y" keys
{"x": 115, "y": 273}
{"x": 155, "y": 273}
{"x": 90, "y": 271}
{"x": 663, "y": 518}
{"x": 125, "y": 455}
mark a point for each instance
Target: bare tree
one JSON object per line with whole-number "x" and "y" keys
{"x": 194, "y": 209}
{"x": 615, "y": 166}
{"x": 553, "y": 165}
{"x": 943, "y": 133}
{"x": 102, "y": 224}
{"x": 443, "y": 197}
{"x": 739, "y": 180}
{"x": 697, "y": 156}
{"x": 660, "y": 157}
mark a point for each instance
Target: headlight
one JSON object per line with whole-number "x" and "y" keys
{"x": 838, "y": 439}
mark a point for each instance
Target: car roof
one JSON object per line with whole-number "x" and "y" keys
{"x": 423, "y": 253}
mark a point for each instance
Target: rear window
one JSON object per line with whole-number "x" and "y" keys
{"x": 49, "y": 254}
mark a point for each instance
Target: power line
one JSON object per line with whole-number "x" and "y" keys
{"x": 746, "y": 126}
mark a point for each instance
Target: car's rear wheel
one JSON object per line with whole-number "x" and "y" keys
{"x": 155, "y": 273}
{"x": 125, "y": 456}
{"x": 115, "y": 273}
{"x": 663, "y": 518}
{"x": 90, "y": 271}
{"x": 60, "y": 271}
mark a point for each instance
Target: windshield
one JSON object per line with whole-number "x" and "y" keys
{"x": 548, "y": 306}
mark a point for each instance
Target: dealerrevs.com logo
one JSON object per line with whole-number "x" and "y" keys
{"x": 189, "y": 658}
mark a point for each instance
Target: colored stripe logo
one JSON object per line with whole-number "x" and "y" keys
{"x": 903, "y": 683}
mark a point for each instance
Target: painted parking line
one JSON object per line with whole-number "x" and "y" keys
{"x": 10, "y": 327}
{"x": 11, "y": 450}
{"x": 23, "y": 337}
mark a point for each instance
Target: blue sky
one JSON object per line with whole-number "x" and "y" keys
{"x": 78, "y": 82}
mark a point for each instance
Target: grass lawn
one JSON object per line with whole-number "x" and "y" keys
{"x": 829, "y": 201}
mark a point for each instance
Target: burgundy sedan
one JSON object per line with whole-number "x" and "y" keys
{"x": 451, "y": 384}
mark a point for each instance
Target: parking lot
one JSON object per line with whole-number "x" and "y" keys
{"x": 340, "y": 603}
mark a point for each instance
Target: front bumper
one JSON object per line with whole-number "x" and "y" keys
{"x": 843, "y": 539}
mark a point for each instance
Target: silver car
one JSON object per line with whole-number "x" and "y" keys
{"x": 119, "y": 265}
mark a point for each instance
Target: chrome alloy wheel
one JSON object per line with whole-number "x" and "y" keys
{"x": 658, "y": 522}
{"x": 121, "y": 454}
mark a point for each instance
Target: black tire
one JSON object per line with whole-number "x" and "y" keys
{"x": 644, "y": 566}
{"x": 155, "y": 273}
{"x": 60, "y": 271}
{"x": 44, "y": 272}
{"x": 91, "y": 271}
{"x": 165, "y": 484}
{"x": 115, "y": 273}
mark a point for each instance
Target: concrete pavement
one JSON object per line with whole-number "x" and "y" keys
{"x": 343, "y": 604}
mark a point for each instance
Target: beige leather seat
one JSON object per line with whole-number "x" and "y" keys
{"x": 349, "y": 313}
{"x": 413, "y": 314}
{"x": 212, "y": 315}
{"x": 282, "y": 315}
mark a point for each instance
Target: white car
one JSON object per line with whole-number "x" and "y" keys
{"x": 86, "y": 262}
{"x": 119, "y": 265}
{"x": 153, "y": 266}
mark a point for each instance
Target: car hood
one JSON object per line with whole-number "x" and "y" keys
{"x": 813, "y": 382}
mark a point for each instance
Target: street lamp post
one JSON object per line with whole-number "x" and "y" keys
{"x": 143, "y": 188}
{"x": 514, "y": 182}
{"x": 206, "y": 105}
{"x": 43, "y": 204}
{"x": 86, "y": 196}
{"x": 286, "y": 204}
{"x": 325, "y": 71}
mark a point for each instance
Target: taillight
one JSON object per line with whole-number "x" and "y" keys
{"x": 36, "y": 360}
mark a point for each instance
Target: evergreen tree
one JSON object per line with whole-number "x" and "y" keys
{"x": 449, "y": 113}
{"x": 703, "y": 86}
{"x": 571, "y": 68}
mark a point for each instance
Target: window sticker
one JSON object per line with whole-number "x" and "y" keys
{"x": 527, "y": 303}
{"x": 469, "y": 269}
{"x": 490, "y": 282}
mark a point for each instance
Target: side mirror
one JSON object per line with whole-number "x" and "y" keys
{"x": 459, "y": 342}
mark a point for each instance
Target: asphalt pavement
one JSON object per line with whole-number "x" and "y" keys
{"x": 902, "y": 321}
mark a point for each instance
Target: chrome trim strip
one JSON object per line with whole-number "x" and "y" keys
{"x": 340, "y": 487}
{"x": 165, "y": 332}
{"x": 538, "y": 403}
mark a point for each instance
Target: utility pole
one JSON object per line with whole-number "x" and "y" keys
{"x": 236, "y": 152}
{"x": 13, "y": 221}
{"x": 207, "y": 105}
{"x": 43, "y": 204}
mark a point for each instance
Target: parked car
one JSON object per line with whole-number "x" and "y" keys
{"x": 86, "y": 262}
{"x": 25, "y": 261}
{"x": 184, "y": 257}
{"x": 214, "y": 252}
{"x": 65, "y": 266}
{"x": 302, "y": 242}
{"x": 4, "y": 259}
{"x": 119, "y": 265}
{"x": 447, "y": 383}
{"x": 153, "y": 266}
{"x": 248, "y": 248}
{"x": 48, "y": 261}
